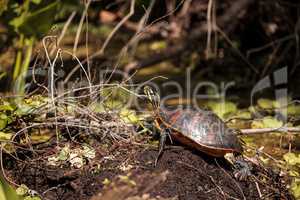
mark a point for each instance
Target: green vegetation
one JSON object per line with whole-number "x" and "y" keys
{"x": 26, "y": 23}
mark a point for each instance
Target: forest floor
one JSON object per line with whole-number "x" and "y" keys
{"x": 125, "y": 170}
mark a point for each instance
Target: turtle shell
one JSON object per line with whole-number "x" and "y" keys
{"x": 202, "y": 130}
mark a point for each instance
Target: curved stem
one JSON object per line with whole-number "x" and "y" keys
{"x": 17, "y": 66}
{"x": 20, "y": 70}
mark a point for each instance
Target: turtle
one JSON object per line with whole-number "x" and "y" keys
{"x": 199, "y": 129}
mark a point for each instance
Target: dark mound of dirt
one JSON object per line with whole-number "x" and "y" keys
{"x": 127, "y": 172}
{"x": 194, "y": 176}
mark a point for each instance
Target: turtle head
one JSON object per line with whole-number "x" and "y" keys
{"x": 152, "y": 96}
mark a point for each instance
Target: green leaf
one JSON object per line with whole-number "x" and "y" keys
{"x": 252, "y": 109}
{"x": 116, "y": 93}
{"x": 6, "y": 191}
{"x": 158, "y": 45}
{"x": 36, "y": 100}
{"x": 23, "y": 110}
{"x": 3, "y": 6}
{"x": 39, "y": 138}
{"x": 2, "y": 74}
{"x": 291, "y": 158}
{"x": 257, "y": 124}
{"x": 294, "y": 173}
{"x": 222, "y": 109}
{"x": 243, "y": 115}
{"x": 3, "y": 124}
{"x": 271, "y": 122}
{"x": 293, "y": 109}
{"x": 17, "y": 21}
{"x": 115, "y": 98}
{"x": 22, "y": 190}
{"x": 35, "y": 22}
{"x": 129, "y": 116}
{"x": 106, "y": 181}
{"x": 127, "y": 180}
{"x": 32, "y": 198}
{"x": 114, "y": 104}
{"x": 88, "y": 152}
{"x": 3, "y": 121}
{"x": 36, "y": 1}
{"x": 64, "y": 153}
{"x": 265, "y": 103}
{"x": 295, "y": 188}
{"x": 6, "y": 107}
{"x": 248, "y": 140}
{"x": 8, "y": 147}
{"x": 5, "y": 136}
{"x": 267, "y": 122}
{"x": 96, "y": 107}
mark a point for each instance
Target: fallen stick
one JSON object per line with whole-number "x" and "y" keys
{"x": 268, "y": 130}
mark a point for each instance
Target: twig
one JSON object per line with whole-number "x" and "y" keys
{"x": 34, "y": 78}
{"x": 52, "y": 64}
{"x": 255, "y": 50}
{"x": 124, "y": 49}
{"x": 101, "y": 85}
{"x": 80, "y": 26}
{"x": 258, "y": 189}
{"x": 54, "y": 188}
{"x": 268, "y": 130}
{"x": 237, "y": 50}
{"x": 66, "y": 25}
{"x": 80, "y": 65}
{"x": 209, "y": 27}
{"x": 141, "y": 26}
{"x": 87, "y": 44}
{"x": 195, "y": 35}
{"x": 296, "y": 32}
{"x": 77, "y": 124}
{"x": 45, "y": 47}
{"x": 131, "y": 12}
{"x": 228, "y": 175}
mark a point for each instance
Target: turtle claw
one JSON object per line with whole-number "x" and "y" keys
{"x": 242, "y": 170}
{"x": 162, "y": 142}
{"x": 156, "y": 161}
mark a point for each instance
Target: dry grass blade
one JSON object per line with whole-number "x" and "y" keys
{"x": 131, "y": 12}
{"x": 80, "y": 26}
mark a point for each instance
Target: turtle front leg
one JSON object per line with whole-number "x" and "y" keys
{"x": 162, "y": 141}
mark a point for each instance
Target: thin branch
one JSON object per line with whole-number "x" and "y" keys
{"x": 141, "y": 26}
{"x": 237, "y": 50}
{"x": 124, "y": 49}
{"x": 281, "y": 40}
{"x": 101, "y": 51}
{"x": 63, "y": 32}
{"x": 209, "y": 27}
{"x": 112, "y": 33}
{"x": 80, "y": 65}
{"x": 268, "y": 130}
{"x": 80, "y": 26}
{"x": 196, "y": 35}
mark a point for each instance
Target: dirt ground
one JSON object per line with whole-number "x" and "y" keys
{"x": 126, "y": 171}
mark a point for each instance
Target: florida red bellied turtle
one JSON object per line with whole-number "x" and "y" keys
{"x": 199, "y": 129}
